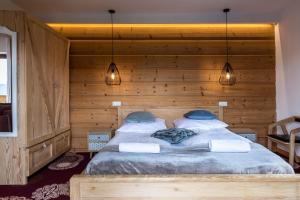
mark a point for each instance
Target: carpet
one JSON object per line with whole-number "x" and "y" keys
{"x": 51, "y": 182}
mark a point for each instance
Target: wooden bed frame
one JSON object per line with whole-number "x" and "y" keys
{"x": 192, "y": 187}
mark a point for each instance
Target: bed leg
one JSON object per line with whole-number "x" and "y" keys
{"x": 75, "y": 188}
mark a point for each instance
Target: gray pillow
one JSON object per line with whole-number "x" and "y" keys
{"x": 174, "y": 135}
{"x": 140, "y": 117}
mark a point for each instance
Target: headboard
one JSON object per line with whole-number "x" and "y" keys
{"x": 167, "y": 113}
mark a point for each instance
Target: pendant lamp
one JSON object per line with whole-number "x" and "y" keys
{"x": 227, "y": 75}
{"x": 112, "y": 75}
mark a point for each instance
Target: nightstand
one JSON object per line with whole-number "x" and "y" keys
{"x": 97, "y": 140}
{"x": 246, "y": 133}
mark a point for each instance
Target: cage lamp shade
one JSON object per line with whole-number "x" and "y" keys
{"x": 112, "y": 75}
{"x": 227, "y": 75}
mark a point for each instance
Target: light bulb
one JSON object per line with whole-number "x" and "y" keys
{"x": 113, "y": 76}
{"x": 227, "y": 75}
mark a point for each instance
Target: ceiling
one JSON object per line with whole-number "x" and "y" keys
{"x": 154, "y": 11}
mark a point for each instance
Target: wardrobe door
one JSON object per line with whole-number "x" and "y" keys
{"x": 61, "y": 86}
{"x": 41, "y": 67}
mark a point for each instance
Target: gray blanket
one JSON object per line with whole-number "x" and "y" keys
{"x": 174, "y": 160}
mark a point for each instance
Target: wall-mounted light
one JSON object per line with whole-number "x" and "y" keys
{"x": 112, "y": 75}
{"x": 227, "y": 75}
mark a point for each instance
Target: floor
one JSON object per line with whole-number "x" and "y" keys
{"x": 52, "y": 182}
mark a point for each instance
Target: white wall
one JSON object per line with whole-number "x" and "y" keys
{"x": 288, "y": 62}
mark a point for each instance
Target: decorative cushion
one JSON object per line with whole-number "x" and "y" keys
{"x": 173, "y": 135}
{"x": 200, "y": 115}
{"x": 140, "y": 117}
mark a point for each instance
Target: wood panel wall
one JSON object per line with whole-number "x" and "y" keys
{"x": 170, "y": 65}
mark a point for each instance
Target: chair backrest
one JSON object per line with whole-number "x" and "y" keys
{"x": 288, "y": 124}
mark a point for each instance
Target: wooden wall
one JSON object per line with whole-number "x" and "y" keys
{"x": 170, "y": 65}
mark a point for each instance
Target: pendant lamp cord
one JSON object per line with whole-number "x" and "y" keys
{"x": 227, "y": 49}
{"x": 112, "y": 37}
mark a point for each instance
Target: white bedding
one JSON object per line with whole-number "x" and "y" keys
{"x": 200, "y": 139}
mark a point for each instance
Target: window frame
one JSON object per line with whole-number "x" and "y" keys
{"x": 14, "y": 82}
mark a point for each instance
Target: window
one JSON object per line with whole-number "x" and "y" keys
{"x": 3, "y": 80}
{"x": 8, "y": 83}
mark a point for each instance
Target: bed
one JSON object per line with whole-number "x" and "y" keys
{"x": 114, "y": 175}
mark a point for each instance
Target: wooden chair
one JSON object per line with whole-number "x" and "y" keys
{"x": 286, "y": 139}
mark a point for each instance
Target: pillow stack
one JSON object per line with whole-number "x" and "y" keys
{"x": 142, "y": 122}
{"x": 199, "y": 121}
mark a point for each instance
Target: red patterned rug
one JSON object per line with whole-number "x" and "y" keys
{"x": 51, "y": 182}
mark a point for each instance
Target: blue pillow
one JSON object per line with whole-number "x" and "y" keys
{"x": 200, "y": 115}
{"x": 140, "y": 117}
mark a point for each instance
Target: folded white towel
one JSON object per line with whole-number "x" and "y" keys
{"x": 139, "y": 147}
{"x": 229, "y": 146}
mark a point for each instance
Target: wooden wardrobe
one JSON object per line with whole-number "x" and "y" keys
{"x": 43, "y": 99}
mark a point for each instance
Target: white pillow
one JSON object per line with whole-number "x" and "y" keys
{"x": 199, "y": 125}
{"x": 149, "y": 127}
